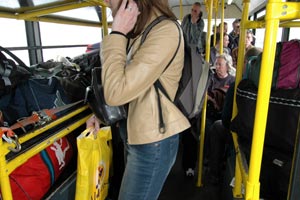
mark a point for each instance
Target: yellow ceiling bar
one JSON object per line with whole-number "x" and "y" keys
{"x": 262, "y": 24}
{"x": 59, "y": 20}
{"x": 41, "y": 12}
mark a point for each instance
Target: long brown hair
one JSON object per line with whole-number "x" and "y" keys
{"x": 146, "y": 7}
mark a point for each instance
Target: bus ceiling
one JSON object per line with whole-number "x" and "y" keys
{"x": 46, "y": 10}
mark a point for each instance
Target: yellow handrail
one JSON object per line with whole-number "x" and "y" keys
{"x": 278, "y": 14}
{"x": 203, "y": 115}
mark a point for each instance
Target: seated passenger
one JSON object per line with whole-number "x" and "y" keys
{"x": 248, "y": 45}
{"x": 214, "y": 51}
{"x": 218, "y": 85}
{"x": 218, "y": 135}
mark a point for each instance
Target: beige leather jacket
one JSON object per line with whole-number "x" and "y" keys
{"x": 130, "y": 79}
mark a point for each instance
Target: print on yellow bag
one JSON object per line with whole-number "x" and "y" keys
{"x": 93, "y": 164}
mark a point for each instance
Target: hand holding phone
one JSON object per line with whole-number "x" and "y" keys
{"x": 126, "y": 16}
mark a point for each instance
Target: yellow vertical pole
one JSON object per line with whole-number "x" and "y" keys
{"x": 4, "y": 178}
{"x": 222, "y": 27}
{"x": 203, "y": 116}
{"x": 215, "y": 9}
{"x": 263, "y": 95}
{"x": 237, "y": 190}
{"x": 180, "y": 10}
{"x": 104, "y": 21}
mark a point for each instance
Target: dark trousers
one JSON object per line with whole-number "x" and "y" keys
{"x": 190, "y": 141}
{"x": 219, "y": 138}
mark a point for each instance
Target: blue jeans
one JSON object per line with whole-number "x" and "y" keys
{"x": 147, "y": 167}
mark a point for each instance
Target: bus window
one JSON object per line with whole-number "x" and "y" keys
{"x": 294, "y": 32}
{"x": 260, "y": 34}
{"x": 14, "y": 35}
{"x": 58, "y": 34}
{"x": 227, "y": 20}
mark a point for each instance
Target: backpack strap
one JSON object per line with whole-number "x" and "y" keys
{"x": 18, "y": 60}
{"x": 157, "y": 82}
{"x": 157, "y": 85}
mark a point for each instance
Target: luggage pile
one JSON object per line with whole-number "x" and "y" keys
{"x": 36, "y": 106}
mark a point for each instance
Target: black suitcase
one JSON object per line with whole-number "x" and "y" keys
{"x": 275, "y": 173}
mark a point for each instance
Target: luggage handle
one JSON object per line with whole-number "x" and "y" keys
{"x": 18, "y": 60}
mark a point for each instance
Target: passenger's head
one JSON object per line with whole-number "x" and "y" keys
{"x": 236, "y": 26}
{"x": 254, "y": 51}
{"x": 223, "y": 64}
{"x": 225, "y": 39}
{"x": 225, "y": 27}
{"x": 196, "y": 10}
{"x": 250, "y": 53}
{"x": 249, "y": 38}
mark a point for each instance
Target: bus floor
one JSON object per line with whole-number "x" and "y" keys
{"x": 178, "y": 186}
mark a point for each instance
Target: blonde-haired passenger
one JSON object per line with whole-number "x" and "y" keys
{"x": 221, "y": 78}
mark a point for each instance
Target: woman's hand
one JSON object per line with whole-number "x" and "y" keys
{"x": 93, "y": 123}
{"x": 125, "y": 19}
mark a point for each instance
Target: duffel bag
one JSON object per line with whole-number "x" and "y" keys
{"x": 34, "y": 178}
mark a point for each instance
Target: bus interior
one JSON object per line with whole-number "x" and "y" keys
{"x": 66, "y": 31}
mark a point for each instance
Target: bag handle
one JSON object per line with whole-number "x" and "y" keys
{"x": 87, "y": 132}
{"x": 18, "y": 60}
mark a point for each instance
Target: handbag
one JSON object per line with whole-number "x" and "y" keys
{"x": 93, "y": 164}
{"x": 108, "y": 115}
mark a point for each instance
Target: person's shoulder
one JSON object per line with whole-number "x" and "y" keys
{"x": 231, "y": 33}
{"x": 164, "y": 28}
{"x": 187, "y": 16}
{"x": 231, "y": 78}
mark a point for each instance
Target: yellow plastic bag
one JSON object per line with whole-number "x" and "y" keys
{"x": 93, "y": 164}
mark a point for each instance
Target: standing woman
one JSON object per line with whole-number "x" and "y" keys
{"x": 129, "y": 78}
{"x": 193, "y": 25}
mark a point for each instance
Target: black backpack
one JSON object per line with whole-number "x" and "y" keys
{"x": 11, "y": 73}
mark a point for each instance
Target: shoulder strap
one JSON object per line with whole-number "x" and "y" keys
{"x": 20, "y": 62}
{"x": 150, "y": 26}
{"x": 157, "y": 84}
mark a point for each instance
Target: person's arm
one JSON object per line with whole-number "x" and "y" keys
{"x": 123, "y": 82}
